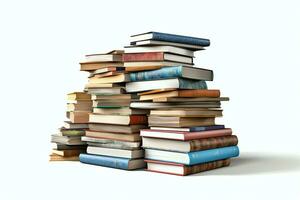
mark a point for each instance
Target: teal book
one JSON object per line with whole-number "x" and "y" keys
{"x": 173, "y": 72}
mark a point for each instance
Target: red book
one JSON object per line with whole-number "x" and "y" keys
{"x": 180, "y": 135}
{"x": 152, "y": 56}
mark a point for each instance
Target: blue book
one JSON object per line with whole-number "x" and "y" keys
{"x": 192, "y": 158}
{"x": 170, "y": 38}
{"x": 173, "y": 72}
{"x": 113, "y": 162}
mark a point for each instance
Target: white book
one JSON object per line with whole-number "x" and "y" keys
{"x": 115, "y": 152}
{"x": 154, "y": 42}
{"x": 156, "y": 63}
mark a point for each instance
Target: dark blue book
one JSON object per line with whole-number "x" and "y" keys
{"x": 113, "y": 162}
{"x": 192, "y": 158}
{"x": 173, "y": 72}
{"x": 191, "y": 129}
{"x": 170, "y": 38}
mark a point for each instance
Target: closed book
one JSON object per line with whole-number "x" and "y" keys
{"x": 70, "y": 125}
{"x": 192, "y": 99}
{"x": 111, "y": 102}
{"x": 112, "y": 56}
{"x": 182, "y": 135}
{"x": 69, "y": 140}
{"x": 55, "y": 157}
{"x": 170, "y": 38}
{"x": 103, "y": 85}
{"x": 179, "y": 83}
{"x": 68, "y": 152}
{"x": 180, "y": 121}
{"x": 59, "y": 146}
{"x": 115, "y": 119}
{"x": 151, "y": 65}
{"x": 107, "y": 69}
{"x": 110, "y": 79}
{"x": 187, "y": 112}
{"x": 79, "y": 107}
{"x": 191, "y": 145}
{"x": 171, "y": 105}
{"x": 168, "y": 49}
{"x": 192, "y": 158}
{"x": 121, "y": 153}
{"x": 78, "y": 96}
{"x": 173, "y": 72}
{"x": 91, "y": 66}
{"x": 113, "y": 162}
{"x": 156, "y": 56}
{"x": 190, "y": 129}
{"x": 183, "y": 170}
{"x": 78, "y": 116}
{"x": 129, "y": 129}
{"x": 72, "y": 132}
{"x": 151, "y": 43}
{"x": 105, "y": 91}
{"x": 112, "y": 97}
{"x": 108, "y": 143}
{"x": 114, "y": 136}
{"x": 120, "y": 111}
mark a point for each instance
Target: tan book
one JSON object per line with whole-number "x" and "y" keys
{"x": 55, "y": 157}
{"x": 90, "y": 66}
{"x": 111, "y": 56}
{"x": 110, "y": 79}
{"x": 155, "y": 91}
{"x": 188, "y": 112}
{"x": 69, "y": 152}
{"x": 180, "y": 121}
{"x": 114, "y": 136}
{"x": 102, "y": 85}
{"x": 78, "y": 96}
{"x": 78, "y": 116}
{"x": 120, "y": 111}
{"x": 79, "y": 107}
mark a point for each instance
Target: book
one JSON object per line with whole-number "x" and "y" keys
{"x": 191, "y": 145}
{"x": 79, "y": 107}
{"x": 78, "y": 96}
{"x": 70, "y": 125}
{"x": 190, "y": 129}
{"x": 120, "y": 111}
{"x": 179, "y": 83}
{"x": 55, "y": 157}
{"x": 91, "y": 66}
{"x": 59, "y": 146}
{"x": 72, "y": 132}
{"x": 180, "y": 121}
{"x": 192, "y": 158}
{"x": 168, "y": 49}
{"x": 190, "y": 99}
{"x": 69, "y": 152}
{"x": 187, "y": 112}
{"x": 171, "y": 105}
{"x": 108, "y": 143}
{"x": 135, "y": 137}
{"x": 173, "y": 72}
{"x": 183, "y": 170}
{"x": 163, "y": 43}
{"x": 111, "y": 56}
{"x": 110, "y": 79}
{"x": 170, "y": 38}
{"x": 117, "y": 96}
{"x": 156, "y": 56}
{"x": 78, "y": 116}
{"x": 105, "y": 91}
{"x": 183, "y": 135}
{"x": 120, "y": 120}
{"x": 69, "y": 140}
{"x": 129, "y": 129}
{"x": 113, "y": 162}
{"x": 111, "y": 103}
{"x": 151, "y": 65}
{"x": 108, "y": 69}
{"x": 121, "y": 153}
{"x": 103, "y": 85}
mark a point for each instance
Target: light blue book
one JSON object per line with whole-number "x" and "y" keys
{"x": 113, "y": 162}
{"x": 173, "y": 72}
{"x": 192, "y": 158}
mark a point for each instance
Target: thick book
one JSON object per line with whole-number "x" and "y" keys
{"x": 70, "y": 125}
{"x": 187, "y": 112}
{"x": 168, "y": 49}
{"x": 171, "y": 105}
{"x": 173, "y": 72}
{"x": 182, "y": 135}
{"x": 113, "y": 162}
{"x": 69, "y": 140}
{"x": 178, "y": 83}
{"x": 68, "y": 152}
{"x": 190, "y": 129}
{"x": 79, "y": 107}
{"x": 191, "y": 145}
{"x": 180, "y": 121}
{"x": 183, "y": 170}
{"x": 156, "y": 56}
{"x": 78, "y": 96}
{"x": 152, "y": 43}
{"x": 192, "y": 158}
{"x": 128, "y": 129}
{"x": 111, "y": 56}
{"x": 170, "y": 38}
{"x": 121, "y": 153}
{"x": 120, "y": 111}
{"x": 120, "y": 120}
{"x": 78, "y": 116}
{"x": 135, "y": 137}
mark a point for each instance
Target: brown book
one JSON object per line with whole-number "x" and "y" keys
{"x": 118, "y": 119}
{"x": 181, "y": 93}
{"x": 188, "y": 112}
{"x": 180, "y": 121}
{"x": 69, "y": 152}
{"x": 183, "y": 170}
{"x": 90, "y": 66}
{"x": 78, "y": 96}
{"x": 55, "y": 157}
{"x": 129, "y": 129}
{"x": 78, "y": 116}
{"x": 190, "y": 99}
{"x": 191, "y": 145}
{"x": 114, "y": 136}
{"x": 79, "y": 107}
{"x": 107, "y": 74}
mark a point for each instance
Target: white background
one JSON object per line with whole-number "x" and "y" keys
{"x": 254, "y": 53}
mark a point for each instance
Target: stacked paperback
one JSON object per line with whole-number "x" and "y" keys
{"x": 183, "y": 137}
{"x": 113, "y": 137}
{"x": 67, "y": 143}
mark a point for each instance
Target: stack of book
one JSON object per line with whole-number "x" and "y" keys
{"x": 113, "y": 137}
{"x": 67, "y": 144}
{"x": 183, "y": 137}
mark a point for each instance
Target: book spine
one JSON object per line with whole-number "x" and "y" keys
{"x": 198, "y": 157}
{"x": 212, "y": 143}
{"x": 205, "y": 166}
{"x": 180, "y": 39}
{"x": 163, "y": 73}
{"x": 208, "y": 134}
{"x": 114, "y": 162}
{"x": 152, "y": 56}
{"x": 191, "y": 84}
{"x": 199, "y": 93}
{"x": 138, "y": 119}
